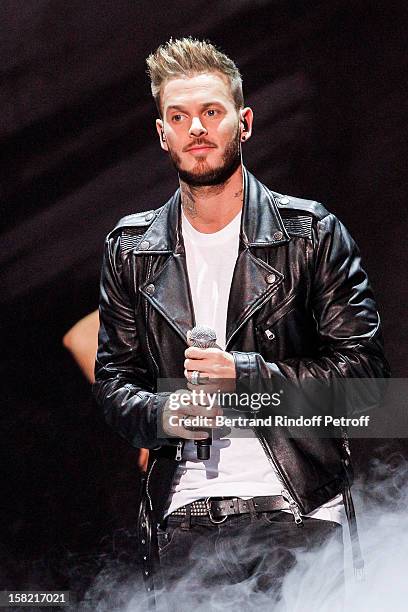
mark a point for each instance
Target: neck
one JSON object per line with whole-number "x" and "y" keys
{"x": 209, "y": 209}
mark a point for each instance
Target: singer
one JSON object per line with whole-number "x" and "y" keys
{"x": 279, "y": 282}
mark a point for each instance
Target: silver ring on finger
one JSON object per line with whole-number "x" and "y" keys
{"x": 195, "y": 377}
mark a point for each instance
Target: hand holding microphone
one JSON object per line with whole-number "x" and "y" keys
{"x": 208, "y": 369}
{"x": 205, "y": 360}
{"x": 202, "y": 337}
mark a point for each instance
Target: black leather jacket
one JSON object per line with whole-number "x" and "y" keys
{"x": 298, "y": 276}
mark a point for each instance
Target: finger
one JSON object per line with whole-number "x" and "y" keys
{"x": 196, "y": 435}
{"x": 208, "y": 411}
{"x": 187, "y": 434}
{"x": 202, "y": 422}
{"x": 204, "y": 395}
{"x": 204, "y": 376}
{"x": 189, "y": 341}
{"x": 178, "y": 427}
{"x": 200, "y": 410}
{"x": 200, "y": 393}
{"x": 202, "y": 365}
{"x": 193, "y": 352}
{"x": 208, "y": 387}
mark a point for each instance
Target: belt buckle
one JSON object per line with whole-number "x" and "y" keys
{"x": 210, "y": 516}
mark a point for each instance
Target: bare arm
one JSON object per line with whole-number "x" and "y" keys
{"x": 82, "y": 342}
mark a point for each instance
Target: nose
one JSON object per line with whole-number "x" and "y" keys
{"x": 197, "y": 128}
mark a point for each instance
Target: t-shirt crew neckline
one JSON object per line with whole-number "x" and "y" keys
{"x": 214, "y": 237}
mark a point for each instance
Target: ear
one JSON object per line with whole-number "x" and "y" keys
{"x": 246, "y": 118}
{"x": 160, "y": 131}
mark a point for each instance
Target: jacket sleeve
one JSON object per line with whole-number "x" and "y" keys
{"x": 346, "y": 317}
{"x": 123, "y": 386}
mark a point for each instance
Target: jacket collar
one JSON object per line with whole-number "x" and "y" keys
{"x": 261, "y": 223}
{"x": 253, "y": 282}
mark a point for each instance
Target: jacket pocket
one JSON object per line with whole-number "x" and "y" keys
{"x": 264, "y": 327}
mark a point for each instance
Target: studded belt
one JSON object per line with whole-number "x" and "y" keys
{"x": 221, "y": 508}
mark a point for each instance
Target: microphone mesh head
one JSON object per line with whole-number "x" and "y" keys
{"x": 203, "y": 336}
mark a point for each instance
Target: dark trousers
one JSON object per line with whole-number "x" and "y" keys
{"x": 264, "y": 562}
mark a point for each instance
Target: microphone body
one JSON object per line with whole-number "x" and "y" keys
{"x": 204, "y": 337}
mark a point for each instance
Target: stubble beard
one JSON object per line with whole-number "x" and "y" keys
{"x": 205, "y": 176}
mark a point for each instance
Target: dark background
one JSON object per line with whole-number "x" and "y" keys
{"x": 327, "y": 82}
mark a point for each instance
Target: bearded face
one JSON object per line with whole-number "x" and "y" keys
{"x": 200, "y": 128}
{"x": 206, "y": 174}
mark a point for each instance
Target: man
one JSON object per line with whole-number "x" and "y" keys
{"x": 279, "y": 280}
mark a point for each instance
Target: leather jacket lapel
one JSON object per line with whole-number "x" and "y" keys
{"x": 261, "y": 226}
{"x": 253, "y": 283}
{"x": 168, "y": 290}
{"x": 261, "y": 223}
{"x": 169, "y": 293}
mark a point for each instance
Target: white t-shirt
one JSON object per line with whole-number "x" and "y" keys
{"x": 238, "y": 466}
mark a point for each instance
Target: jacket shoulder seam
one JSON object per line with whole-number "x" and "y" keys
{"x": 293, "y": 204}
{"x": 131, "y": 229}
{"x": 140, "y": 219}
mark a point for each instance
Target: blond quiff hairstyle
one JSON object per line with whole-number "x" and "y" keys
{"x": 189, "y": 56}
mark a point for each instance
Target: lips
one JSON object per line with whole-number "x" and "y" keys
{"x": 201, "y": 147}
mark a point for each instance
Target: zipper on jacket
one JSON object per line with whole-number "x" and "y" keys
{"x": 179, "y": 450}
{"x": 249, "y": 315}
{"x": 286, "y": 494}
{"x": 147, "y": 484}
{"x": 294, "y": 508}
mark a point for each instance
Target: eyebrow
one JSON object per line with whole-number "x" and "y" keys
{"x": 203, "y": 106}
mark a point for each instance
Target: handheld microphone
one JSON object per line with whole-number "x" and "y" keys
{"x": 204, "y": 337}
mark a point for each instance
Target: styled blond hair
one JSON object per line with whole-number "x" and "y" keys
{"x": 189, "y": 56}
